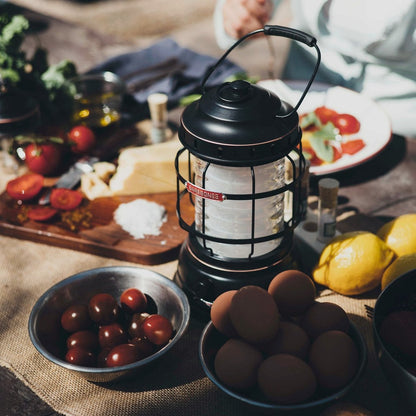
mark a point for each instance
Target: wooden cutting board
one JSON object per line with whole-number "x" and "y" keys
{"x": 95, "y": 231}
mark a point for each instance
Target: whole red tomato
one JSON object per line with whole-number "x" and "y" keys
{"x": 82, "y": 139}
{"x": 43, "y": 158}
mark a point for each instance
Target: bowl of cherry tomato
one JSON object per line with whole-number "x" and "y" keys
{"x": 109, "y": 323}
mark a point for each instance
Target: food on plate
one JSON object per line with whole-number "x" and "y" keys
{"x": 328, "y": 135}
{"x": 147, "y": 169}
{"x": 353, "y": 263}
{"x": 285, "y": 368}
{"x": 399, "y": 266}
{"x": 25, "y": 187}
{"x": 43, "y": 157}
{"x": 334, "y": 359}
{"x": 293, "y": 292}
{"x": 400, "y": 234}
{"x": 286, "y": 379}
{"x": 81, "y": 139}
{"x": 65, "y": 199}
{"x": 105, "y": 333}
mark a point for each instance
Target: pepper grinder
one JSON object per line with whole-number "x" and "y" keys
{"x": 159, "y": 115}
{"x": 327, "y": 206}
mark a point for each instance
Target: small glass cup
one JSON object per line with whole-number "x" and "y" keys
{"x": 97, "y": 101}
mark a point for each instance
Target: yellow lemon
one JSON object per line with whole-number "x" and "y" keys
{"x": 399, "y": 266}
{"x": 353, "y": 263}
{"x": 400, "y": 234}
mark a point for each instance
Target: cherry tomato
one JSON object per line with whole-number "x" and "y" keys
{"x": 103, "y": 308}
{"x": 76, "y": 318}
{"x": 144, "y": 345}
{"x": 325, "y": 114}
{"x": 43, "y": 158}
{"x": 135, "y": 328}
{"x": 346, "y": 124}
{"x": 352, "y": 146}
{"x": 157, "y": 329}
{"x": 133, "y": 300}
{"x": 25, "y": 187}
{"x": 80, "y": 356}
{"x": 82, "y": 139}
{"x": 123, "y": 354}
{"x": 41, "y": 213}
{"x": 65, "y": 199}
{"x": 111, "y": 335}
{"x": 86, "y": 339}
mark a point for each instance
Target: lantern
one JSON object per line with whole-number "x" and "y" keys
{"x": 237, "y": 139}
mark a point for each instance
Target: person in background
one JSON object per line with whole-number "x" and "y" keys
{"x": 367, "y": 45}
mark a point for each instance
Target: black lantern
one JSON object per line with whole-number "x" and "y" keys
{"x": 237, "y": 139}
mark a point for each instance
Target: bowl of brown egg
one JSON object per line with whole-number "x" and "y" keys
{"x": 280, "y": 349}
{"x": 109, "y": 323}
{"x": 394, "y": 334}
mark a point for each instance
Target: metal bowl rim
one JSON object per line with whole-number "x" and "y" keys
{"x": 108, "y": 370}
{"x": 294, "y": 407}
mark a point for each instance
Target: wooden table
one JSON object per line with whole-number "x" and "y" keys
{"x": 380, "y": 189}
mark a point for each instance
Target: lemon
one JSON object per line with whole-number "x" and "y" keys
{"x": 400, "y": 234}
{"x": 399, "y": 266}
{"x": 353, "y": 263}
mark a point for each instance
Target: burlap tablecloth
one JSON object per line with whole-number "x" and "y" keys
{"x": 175, "y": 386}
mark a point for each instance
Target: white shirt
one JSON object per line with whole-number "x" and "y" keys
{"x": 366, "y": 45}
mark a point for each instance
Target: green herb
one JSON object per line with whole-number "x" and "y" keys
{"x": 320, "y": 139}
{"x": 33, "y": 75}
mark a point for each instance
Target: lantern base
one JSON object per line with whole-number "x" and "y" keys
{"x": 204, "y": 279}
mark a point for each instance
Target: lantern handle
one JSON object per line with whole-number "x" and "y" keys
{"x": 275, "y": 30}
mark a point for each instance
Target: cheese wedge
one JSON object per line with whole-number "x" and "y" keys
{"x": 147, "y": 169}
{"x": 93, "y": 186}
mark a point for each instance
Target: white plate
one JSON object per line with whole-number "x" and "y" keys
{"x": 375, "y": 124}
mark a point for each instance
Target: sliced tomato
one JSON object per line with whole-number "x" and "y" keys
{"x": 25, "y": 187}
{"x": 346, "y": 124}
{"x": 325, "y": 114}
{"x": 65, "y": 199}
{"x": 41, "y": 213}
{"x": 337, "y": 153}
{"x": 352, "y": 146}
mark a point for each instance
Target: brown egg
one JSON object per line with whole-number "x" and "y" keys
{"x": 290, "y": 339}
{"x": 293, "y": 292}
{"x": 334, "y": 359}
{"x": 236, "y": 364}
{"x": 220, "y": 316}
{"x": 398, "y": 330}
{"x": 254, "y": 314}
{"x": 286, "y": 379}
{"x": 324, "y": 316}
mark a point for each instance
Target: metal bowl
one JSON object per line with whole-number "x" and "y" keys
{"x": 44, "y": 321}
{"x": 398, "y": 295}
{"x": 211, "y": 341}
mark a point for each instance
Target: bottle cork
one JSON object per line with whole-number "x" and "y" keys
{"x": 328, "y": 192}
{"x": 159, "y": 115}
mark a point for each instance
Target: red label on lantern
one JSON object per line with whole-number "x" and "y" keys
{"x": 203, "y": 193}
